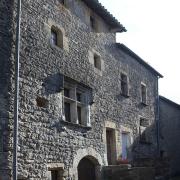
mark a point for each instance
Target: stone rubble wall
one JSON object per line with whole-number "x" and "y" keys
{"x": 43, "y": 137}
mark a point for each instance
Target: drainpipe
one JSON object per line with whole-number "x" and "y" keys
{"x": 16, "y": 97}
{"x": 158, "y": 120}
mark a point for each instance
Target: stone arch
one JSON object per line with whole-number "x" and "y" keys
{"x": 92, "y": 155}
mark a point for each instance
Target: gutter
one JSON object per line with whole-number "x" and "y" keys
{"x": 16, "y": 95}
{"x": 158, "y": 119}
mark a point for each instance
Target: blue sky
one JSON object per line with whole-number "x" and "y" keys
{"x": 153, "y": 32}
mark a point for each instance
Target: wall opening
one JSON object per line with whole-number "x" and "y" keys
{"x": 111, "y": 146}
{"x": 86, "y": 169}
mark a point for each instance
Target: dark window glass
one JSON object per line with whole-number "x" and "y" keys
{"x": 66, "y": 92}
{"x": 97, "y": 62}
{"x": 54, "y": 175}
{"x": 144, "y": 122}
{"x": 78, "y": 97}
{"x": 143, "y": 93}
{"x": 92, "y": 22}
{"x": 124, "y": 84}
{"x": 67, "y": 111}
{"x": 54, "y": 37}
{"x": 79, "y": 114}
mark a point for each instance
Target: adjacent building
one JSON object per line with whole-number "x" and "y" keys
{"x": 85, "y": 101}
{"x": 169, "y": 133}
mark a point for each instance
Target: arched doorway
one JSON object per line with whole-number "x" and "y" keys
{"x": 86, "y": 169}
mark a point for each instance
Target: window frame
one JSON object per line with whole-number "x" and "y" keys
{"x": 93, "y": 22}
{"x": 124, "y": 85}
{"x": 143, "y": 93}
{"x": 97, "y": 61}
{"x": 59, "y": 37}
{"x": 84, "y": 105}
{"x": 58, "y": 167}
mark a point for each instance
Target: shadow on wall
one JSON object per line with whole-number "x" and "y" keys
{"x": 53, "y": 84}
{"x": 170, "y": 132}
{"x": 145, "y": 144}
{"x": 144, "y": 152}
{"x": 6, "y": 107}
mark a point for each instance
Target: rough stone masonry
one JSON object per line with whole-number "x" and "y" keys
{"x": 71, "y": 91}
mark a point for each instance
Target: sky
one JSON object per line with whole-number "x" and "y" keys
{"x": 153, "y": 33}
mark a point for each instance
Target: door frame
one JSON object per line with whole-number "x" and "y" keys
{"x": 112, "y": 126}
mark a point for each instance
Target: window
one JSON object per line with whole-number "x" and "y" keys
{"x": 144, "y": 122}
{"x": 76, "y": 103}
{"x": 97, "y": 61}
{"x": 92, "y": 22}
{"x": 63, "y": 2}
{"x": 124, "y": 85}
{"x": 55, "y": 171}
{"x": 55, "y": 174}
{"x": 143, "y": 94}
{"x": 56, "y": 37}
{"x": 144, "y": 136}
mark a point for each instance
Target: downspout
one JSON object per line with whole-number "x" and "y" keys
{"x": 158, "y": 120}
{"x": 16, "y": 96}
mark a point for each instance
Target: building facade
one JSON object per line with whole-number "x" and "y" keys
{"x": 85, "y": 101}
{"x": 169, "y": 128}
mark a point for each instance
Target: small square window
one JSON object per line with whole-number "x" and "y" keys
{"x": 144, "y": 122}
{"x": 124, "y": 85}
{"x": 97, "y": 61}
{"x": 143, "y": 94}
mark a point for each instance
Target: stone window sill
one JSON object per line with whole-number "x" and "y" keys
{"x": 76, "y": 125}
{"x": 144, "y": 104}
{"x": 55, "y": 47}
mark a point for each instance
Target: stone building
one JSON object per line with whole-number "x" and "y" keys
{"x": 85, "y": 101}
{"x": 170, "y": 131}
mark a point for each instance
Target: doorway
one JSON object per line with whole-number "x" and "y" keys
{"x": 86, "y": 170}
{"x": 111, "y": 146}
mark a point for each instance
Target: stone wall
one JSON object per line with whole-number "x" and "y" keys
{"x": 7, "y": 35}
{"x": 170, "y": 126}
{"x": 44, "y": 137}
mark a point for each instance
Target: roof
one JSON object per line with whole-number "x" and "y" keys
{"x": 170, "y": 102}
{"x": 140, "y": 60}
{"x": 105, "y": 14}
